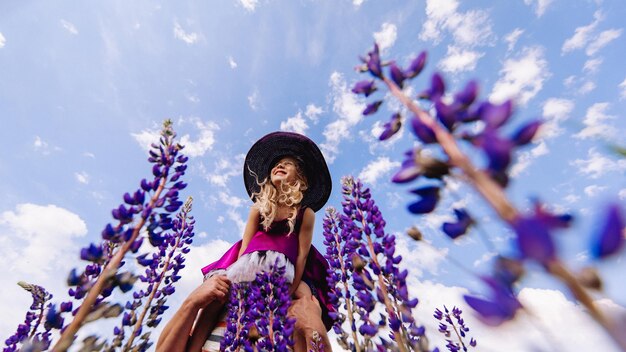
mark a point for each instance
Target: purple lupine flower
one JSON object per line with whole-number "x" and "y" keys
{"x": 468, "y": 95}
{"x": 429, "y": 197}
{"x": 501, "y": 306}
{"x": 28, "y": 332}
{"x": 391, "y": 127}
{"x": 495, "y": 115}
{"x": 257, "y": 308}
{"x": 358, "y": 237}
{"x": 610, "y": 236}
{"x": 458, "y": 228}
{"x": 416, "y": 66}
{"x": 452, "y": 322}
{"x": 364, "y": 87}
{"x": 147, "y": 206}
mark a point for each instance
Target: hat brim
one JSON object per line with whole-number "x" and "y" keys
{"x": 267, "y": 150}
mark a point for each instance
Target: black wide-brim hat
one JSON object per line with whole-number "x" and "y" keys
{"x": 268, "y": 150}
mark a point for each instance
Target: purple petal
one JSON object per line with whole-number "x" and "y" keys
{"x": 525, "y": 134}
{"x": 409, "y": 172}
{"x": 496, "y": 115}
{"x": 425, "y": 134}
{"x": 364, "y": 87}
{"x": 498, "y": 151}
{"x": 534, "y": 240}
{"x": 610, "y": 238}
{"x": 416, "y": 66}
{"x": 391, "y": 127}
{"x": 468, "y": 94}
{"x": 373, "y": 62}
{"x": 372, "y": 108}
{"x": 456, "y": 229}
{"x": 429, "y": 198}
{"x": 396, "y": 74}
{"x": 446, "y": 114}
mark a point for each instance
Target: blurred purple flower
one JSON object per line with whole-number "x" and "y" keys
{"x": 495, "y": 115}
{"x": 429, "y": 196}
{"x": 526, "y": 133}
{"x": 436, "y": 90}
{"x": 501, "y": 306}
{"x": 458, "y": 228}
{"x": 373, "y": 62}
{"x": 364, "y": 87}
{"x": 609, "y": 239}
{"x": 397, "y": 75}
{"x": 391, "y": 127}
{"x": 372, "y": 108}
{"x": 425, "y": 134}
{"x": 416, "y": 66}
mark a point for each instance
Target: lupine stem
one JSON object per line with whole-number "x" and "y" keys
{"x": 67, "y": 336}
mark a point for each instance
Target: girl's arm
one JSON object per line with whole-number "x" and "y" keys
{"x": 251, "y": 227}
{"x": 304, "y": 238}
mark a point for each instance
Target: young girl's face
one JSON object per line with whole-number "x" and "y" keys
{"x": 285, "y": 171}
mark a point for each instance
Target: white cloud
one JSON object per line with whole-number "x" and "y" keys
{"x": 595, "y": 122}
{"x": 254, "y": 99}
{"x": 467, "y": 28}
{"x": 592, "y": 65}
{"x": 602, "y": 40}
{"x": 540, "y": 6}
{"x": 582, "y": 35}
{"x": 82, "y": 177}
{"x": 3, "y": 40}
{"x": 585, "y": 37}
{"x": 587, "y": 87}
{"x": 41, "y": 145}
{"x": 225, "y": 169}
{"x": 555, "y": 112}
{"x": 296, "y": 123}
{"x": 313, "y": 112}
{"x": 623, "y": 87}
{"x": 522, "y": 77}
{"x": 597, "y": 164}
{"x": 571, "y": 198}
{"x": 180, "y": 34}
{"x": 420, "y": 257}
{"x": 38, "y": 244}
{"x": 69, "y": 27}
{"x": 357, "y": 3}
{"x": 377, "y": 169}
{"x": 622, "y": 194}
{"x": 146, "y": 137}
{"x": 232, "y": 63}
{"x": 526, "y": 158}
{"x": 458, "y": 59}
{"x": 231, "y": 201}
{"x": 249, "y": 5}
{"x": 387, "y": 35}
{"x": 484, "y": 258}
{"x": 349, "y": 110}
{"x": 593, "y": 190}
{"x": 512, "y": 38}
{"x": 205, "y": 140}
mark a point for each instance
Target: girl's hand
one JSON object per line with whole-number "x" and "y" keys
{"x": 214, "y": 288}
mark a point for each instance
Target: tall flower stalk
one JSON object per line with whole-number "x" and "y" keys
{"x": 373, "y": 278}
{"x": 453, "y": 327}
{"x": 451, "y": 114}
{"x": 147, "y": 209}
{"x": 162, "y": 267}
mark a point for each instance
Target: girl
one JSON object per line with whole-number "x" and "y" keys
{"x": 295, "y": 182}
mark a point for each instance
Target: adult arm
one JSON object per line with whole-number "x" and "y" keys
{"x": 251, "y": 227}
{"x": 175, "y": 335}
{"x": 304, "y": 239}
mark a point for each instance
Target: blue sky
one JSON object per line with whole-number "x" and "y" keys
{"x": 85, "y": 86}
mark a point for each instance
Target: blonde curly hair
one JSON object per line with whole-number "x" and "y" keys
{"x": 269, "y": 198}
